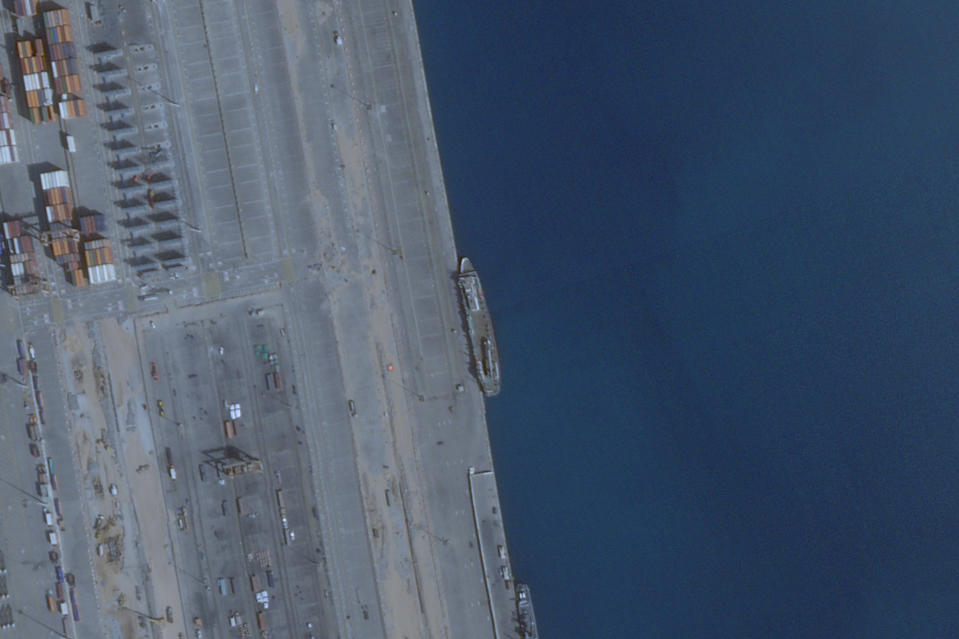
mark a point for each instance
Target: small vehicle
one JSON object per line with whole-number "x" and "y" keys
{"x": 34, "y": 450}
{"x": 161, "y": 408}
{"x": 153, "y": 371}
{"x": 352, "y": 406}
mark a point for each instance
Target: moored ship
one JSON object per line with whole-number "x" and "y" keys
{"x": 480, "y": 325}
{"x": 525, "y": 616}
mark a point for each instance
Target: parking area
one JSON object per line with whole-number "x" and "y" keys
{"x": 236, "y": 468}
{"x": 46, "y": 574}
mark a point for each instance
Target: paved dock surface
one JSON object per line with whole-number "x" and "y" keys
{"x": 304, "y": 211}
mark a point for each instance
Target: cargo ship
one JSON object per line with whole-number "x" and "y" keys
{"x": 480, "y": 325}
{"x": 524, "y": 613}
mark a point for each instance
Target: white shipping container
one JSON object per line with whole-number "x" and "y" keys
{"x": 17, "y": 270}
{"x": 31, "y": 82}
{"x": 101, "y": 273}
{"x": 54, "y": 179}
{"x": 7, "y": 156}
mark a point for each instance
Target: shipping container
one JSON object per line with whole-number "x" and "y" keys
{"x": 269, "y": 578}
{"x": 261, "y": 620}
{"x": 229, "y": 428}
{"x": 51, "y": 602}
{"x": 254, "y": 582}
{"x": 61, "y": 591}
{"x": 25, "y": 8}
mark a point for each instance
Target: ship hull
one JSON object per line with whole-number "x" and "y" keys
{"x": 480, "y": 328}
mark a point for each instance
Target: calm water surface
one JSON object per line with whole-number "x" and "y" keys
{"x": 721, "y": 246}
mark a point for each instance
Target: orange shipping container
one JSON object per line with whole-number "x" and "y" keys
{"x": 77, "y": 278}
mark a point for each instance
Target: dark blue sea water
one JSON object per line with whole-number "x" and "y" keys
{"x": 721, "y": 245}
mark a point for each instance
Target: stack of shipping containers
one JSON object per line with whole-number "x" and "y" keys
{"x": 92, "y": 226}
{"x": 97, "y": 250}
{"x": 57, "y": 197}
{"x": 36, "y": 80}
{"x": 98, "y": 257}
{"x": 8, "y": 140}
{"x": 64, "y": 63}
{"x": 23, "y": 259}
{"x": 64, "y": 243}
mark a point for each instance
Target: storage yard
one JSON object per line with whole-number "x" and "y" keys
{"x": 237, "y": 399}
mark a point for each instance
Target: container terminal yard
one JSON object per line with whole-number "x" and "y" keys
{"x": 244, "y": 380}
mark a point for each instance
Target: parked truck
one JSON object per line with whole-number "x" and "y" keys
{"x": 170, "y": 468}
{"x": 73, "y": 604}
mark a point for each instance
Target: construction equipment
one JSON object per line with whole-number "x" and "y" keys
{"x": 230, "y": 461}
